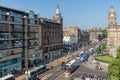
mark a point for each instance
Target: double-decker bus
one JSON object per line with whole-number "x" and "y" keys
{"x": 8, "y": 77}
{"x": 71, "y": 66}
{"x": 36, "y": 71}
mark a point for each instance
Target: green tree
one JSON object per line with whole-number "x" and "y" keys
{"x": 118, "y": 53}
{"x": 114, "y": 70}
{"x": 103, "y": 46}
{"x": 104, "y": 32}
{"x": 98, "y": 50}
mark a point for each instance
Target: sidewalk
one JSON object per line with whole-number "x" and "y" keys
{"x": 21, "y": 77}
{"x": 53, "y": 63}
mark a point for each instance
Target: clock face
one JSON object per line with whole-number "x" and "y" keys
{"x": 111, "y": 15}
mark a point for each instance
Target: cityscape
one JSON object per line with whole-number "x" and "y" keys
{"x": 79, "y": 42}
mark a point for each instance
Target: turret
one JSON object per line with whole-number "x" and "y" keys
{"x": 57, "y": 16}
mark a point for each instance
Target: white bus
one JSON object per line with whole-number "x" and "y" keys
{"x": 91, "y": 50}
{"x": 36, "y": 71}
{"x": 8, "y": 77}
{"x": 71, "y": 66}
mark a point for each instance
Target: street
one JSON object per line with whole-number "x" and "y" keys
{"x": 88, "y": 68}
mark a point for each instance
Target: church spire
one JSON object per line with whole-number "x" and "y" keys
{"x": 57, "y": 16}
{"x": 57, "y": 13}
{"x": 58, "y": 10}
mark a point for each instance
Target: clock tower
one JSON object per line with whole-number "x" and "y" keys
{"x": 112, "y": 17}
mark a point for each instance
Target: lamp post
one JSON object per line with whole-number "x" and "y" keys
{"x": 33, "y": 56}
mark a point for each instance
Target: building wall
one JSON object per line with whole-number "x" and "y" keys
{"x": 52, "y": 38}
{"x": 76, "y": 31}
{"x": 82, "y": 37}
{"x": 95, "y": 36}
{"x": 69, "y": 39}
{"x": 19, "y": 39}
{"x": 113, "y": 39}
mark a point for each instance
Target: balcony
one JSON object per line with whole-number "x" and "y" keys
{"x": 10, "y": 57}
{"x": 10, "y": 65}
{"x": 5, "y": 46}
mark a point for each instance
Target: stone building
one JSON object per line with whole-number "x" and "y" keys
{"x": 69, "y": 39}
{"x": 82, "y": 36}
{"x": 113, "y": 39}
{"x": 52, "y": 36}
{"x": 76, "y": 31}
{"x": 95, "y": 35}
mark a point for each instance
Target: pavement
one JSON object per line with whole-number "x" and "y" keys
{"x": 53, "y": 63}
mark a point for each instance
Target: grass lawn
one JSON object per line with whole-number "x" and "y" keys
{"x": 105, "y": 59}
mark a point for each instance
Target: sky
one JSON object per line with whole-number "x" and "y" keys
{"x": 82, "y": 13}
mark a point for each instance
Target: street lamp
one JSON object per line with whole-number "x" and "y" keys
{"x": 33, "y": 56}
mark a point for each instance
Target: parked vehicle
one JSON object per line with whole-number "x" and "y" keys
{"x": 84, "y": 57}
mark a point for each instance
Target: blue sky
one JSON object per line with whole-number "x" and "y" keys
{"x": 82, "y": 13}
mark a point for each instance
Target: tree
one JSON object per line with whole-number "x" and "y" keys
{"x": 118, "y": 53}
{"x": 103, "y": 47}
{"x": 104, "y": 32}
{"x": 114, "y": 70}
{"x": 98, "y": 50}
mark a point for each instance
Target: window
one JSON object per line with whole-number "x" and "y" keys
{"x": 18, "y": 43}
{"x": 17, "y": 19}
{"x": 2, "y": 11}
{"x": 4, "y": 36}
{"x": 18, "y": 28}
{"x": 3, "y": 54}
{"x": 4, "y": 27}
{"x": 4, "y": 45}
{"x": 31, "y": 21}
{"x": 33, "y": 42}
{"x": 33, "y": 35}
{"x": 15, "y": 14}
{"x": 33, "y": 28}
{"x": 17, "y": 36}
{"x": 3, "y": 17}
